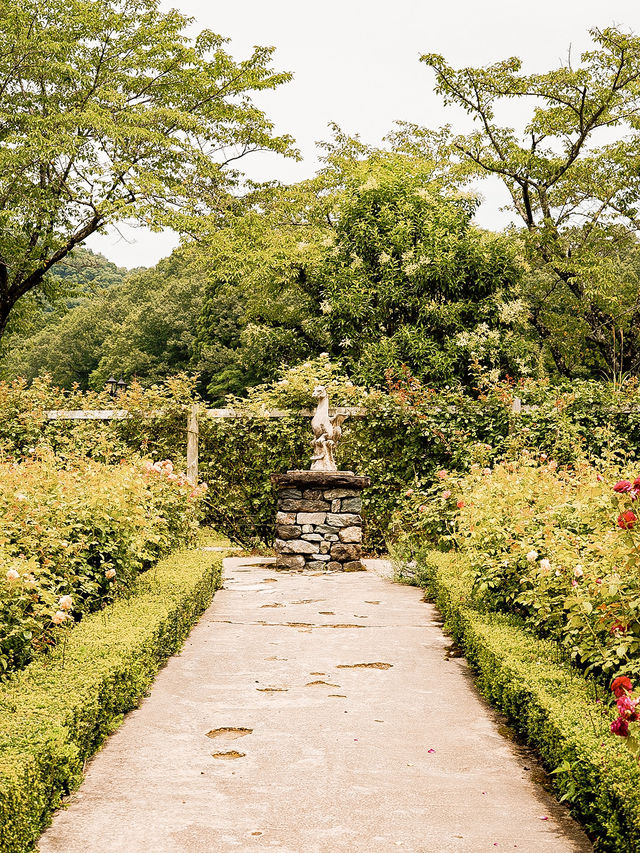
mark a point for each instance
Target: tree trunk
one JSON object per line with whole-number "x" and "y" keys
{"x": 547, "y": 337}
{"x": 5, "y": 298}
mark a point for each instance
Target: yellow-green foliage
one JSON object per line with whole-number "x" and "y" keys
{"x": 54, "y": 716}
{"x": 544, "y": 544}
{"x": 548, "y": 702}
{"x": 80, "y": 531}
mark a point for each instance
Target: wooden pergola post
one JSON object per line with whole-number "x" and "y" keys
{"x": 192, "y": 444}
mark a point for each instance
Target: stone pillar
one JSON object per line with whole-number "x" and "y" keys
{"x": 319, "y": 520}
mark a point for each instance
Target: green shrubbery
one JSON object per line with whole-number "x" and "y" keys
{"x": 408, "y": 434}
{"x": 56, "y": 712}
{"x": 544, "y": 544}
{"x": 76, "y": 535}
{"x": 548, "y": 702}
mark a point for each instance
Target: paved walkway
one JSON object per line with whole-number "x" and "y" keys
{"x": 312, "y": 714}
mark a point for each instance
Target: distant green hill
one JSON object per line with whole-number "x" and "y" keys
{"x": 140, "y": 323}
{"x": 82, "y": 279}
{"x": 85, "y": 273}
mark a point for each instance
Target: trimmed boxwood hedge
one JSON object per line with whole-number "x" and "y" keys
{"x": 548, "y": 702}
{"x": 53, "y": 717}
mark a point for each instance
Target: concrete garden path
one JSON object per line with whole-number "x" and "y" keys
{"x": 312, "y": 714}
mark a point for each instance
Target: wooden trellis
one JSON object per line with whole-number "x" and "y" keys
{"x": 194, "y": 414}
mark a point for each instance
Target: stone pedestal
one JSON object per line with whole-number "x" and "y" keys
{"x": 319, "y": 521}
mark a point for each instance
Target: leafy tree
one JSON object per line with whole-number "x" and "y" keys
{"x": 324, "y": 266}
{"x": 154, "y": 336}
{"x": 109, "y": 110}
{"x": 261, "y": 303}
{"x": 573, "y": 185}
{"x": 373, "y": 260}
{"x": 410, "y": 282}
{"x": 68, "y": 348}
{"x": 145, "y": 326}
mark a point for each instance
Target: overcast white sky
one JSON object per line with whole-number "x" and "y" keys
{"x": 355, "y": 62}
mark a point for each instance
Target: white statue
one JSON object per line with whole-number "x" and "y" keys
{"x": 327, "y": 432}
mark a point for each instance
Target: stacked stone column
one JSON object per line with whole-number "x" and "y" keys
{"x": 319, "y": 520}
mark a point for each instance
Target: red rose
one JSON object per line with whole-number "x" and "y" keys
{"x": 618, "y": 628}
{"x": 627, "y": 520}
{"x": 460, "y": 504}
{"x": 622, "y": 486}
{"x": 620, "y": 727}
{"x": 636, "y": 483}
{"x": 621, "y": 686}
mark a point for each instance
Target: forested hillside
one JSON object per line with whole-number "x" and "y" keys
{"x": 375, "y": 261}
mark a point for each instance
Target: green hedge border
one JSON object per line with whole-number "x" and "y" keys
{"x": 548, "y": 702}
{"x": 53, "y": 718}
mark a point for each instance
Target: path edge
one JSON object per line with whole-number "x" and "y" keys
{"x": 550, "y": 704}
{"x": 52, "y": 719}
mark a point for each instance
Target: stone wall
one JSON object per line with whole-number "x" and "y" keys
{"x": 319, "y": 521}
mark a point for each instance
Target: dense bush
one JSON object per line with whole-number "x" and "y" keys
{"x": 55, "y": 714}
{"x": 407, "y": 435}
{"x": 552, "y": 706}
{"x": 544, "y": 544}
{"x": 551, "y": 546}
{"x": 73, "y": 537}
{"x": 155, "y": 425}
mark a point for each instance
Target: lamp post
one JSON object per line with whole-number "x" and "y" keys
{"x": 110, "y": 386}
{"x": 122, "y": 385}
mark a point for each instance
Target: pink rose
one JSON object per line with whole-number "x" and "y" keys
{"x": 622, "y": 486}
{"x": 442, "y": 474}
{"x": 627, "y": 707}
{"x": 65, "y": 603}
{"x": 446, "y": 494}
{"x": 58, "y": 617}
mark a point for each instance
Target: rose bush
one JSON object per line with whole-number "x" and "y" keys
{"x": 74, "y": 537}
{"x": 409, "y": 433}
{"x": 626, "y": 723}
{"x": 558, "y": 548}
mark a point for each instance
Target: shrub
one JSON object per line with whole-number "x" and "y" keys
{"x": 73, "y": 538}
{"x": 408, "y": 434}
{"x": 54, "y": 717}
{"x": 556, "y": 547}
{"x": 551, "y": 705}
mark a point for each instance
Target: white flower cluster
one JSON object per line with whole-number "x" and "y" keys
{"x": 544, "y": 564}
{"x": 513, "y": 311}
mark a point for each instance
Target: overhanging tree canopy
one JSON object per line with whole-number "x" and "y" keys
{"x": 576, "y": 189}
{"x": 108, "y": 110}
